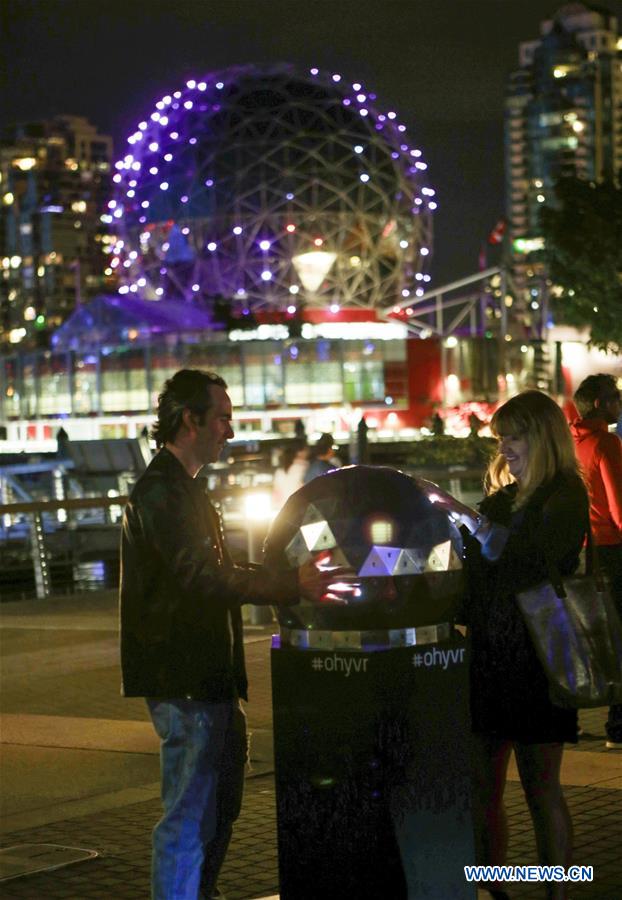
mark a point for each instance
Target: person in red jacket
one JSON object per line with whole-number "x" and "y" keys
{"x": 600, "y": 453}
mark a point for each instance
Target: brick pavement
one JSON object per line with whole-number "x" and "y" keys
{"x": 48, "y": 674}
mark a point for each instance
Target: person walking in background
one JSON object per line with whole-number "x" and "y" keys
{"x": 599, "y": 405}
{"x": 323, "y": 458}
{"x": 290, "y": 473}
{"x": 534, "y": 517}
{"x": 181, "y": 634}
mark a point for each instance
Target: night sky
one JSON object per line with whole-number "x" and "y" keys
{"x": 442, "y": 64}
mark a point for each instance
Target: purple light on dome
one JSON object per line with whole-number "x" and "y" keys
{"x": 219, "y": 85}
{"x": 192, "y": 140}
{"x": 168, "y": 157}
{"x": 291, "y": 310}
{"x": 142, "y": 220}
{"x": 177, "y": 95}
{"x": 382, "y": 118}
{"x": 314, "y": 71}
{"x": 391, "y": 115}
{"x": 404, "y": 147}
{"x": 112, "y": 204}
{"x": 246, "y": 311}
{"x": 356, "y": 86}
{"x": 336, "y": 77}
{"x": 363, "y": 112}
{"x": 372, "y": 96}
{"x": 346, "y": 101}
{"x": 209, "y": 182}
{"x": 395, "y": 155}
{"x": 289, "y": 196}
{"x": 185, "y": 230}
{"x": 379, "y": 126}
{"x": 401, "y": 128}
{"x": 164, "y": 186}
{"x": 196, "y": 287}
{"x": 174, "y": 135}
{"x": 361, "y": 98}
{"x": 163, "y": 271}
{"x": 184, "y": 199}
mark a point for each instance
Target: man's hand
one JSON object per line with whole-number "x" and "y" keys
{"x": 313, "y": 582}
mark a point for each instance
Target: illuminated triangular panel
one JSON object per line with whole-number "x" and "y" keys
{"x": 318, "y": 536}
{"x": 380, "y": 561}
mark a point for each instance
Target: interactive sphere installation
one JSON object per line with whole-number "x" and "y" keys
{"x": 274, "y": 190}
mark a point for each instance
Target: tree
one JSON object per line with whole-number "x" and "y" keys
{"x": 582, "y": 233}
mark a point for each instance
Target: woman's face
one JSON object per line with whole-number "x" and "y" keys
{"x": 515, "y": 448}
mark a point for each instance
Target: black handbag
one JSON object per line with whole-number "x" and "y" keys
{"x": 577, "y": 635}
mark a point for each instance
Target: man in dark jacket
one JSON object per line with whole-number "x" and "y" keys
{"x": 600, "y": 453}
{"x": 181, "y": 634}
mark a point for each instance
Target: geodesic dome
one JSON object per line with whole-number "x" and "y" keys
{"x": 272, "y": 189}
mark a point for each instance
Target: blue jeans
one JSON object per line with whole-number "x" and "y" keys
{"x": 202, "y": 759}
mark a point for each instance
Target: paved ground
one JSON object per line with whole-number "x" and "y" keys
{"x": 80, "y": 767}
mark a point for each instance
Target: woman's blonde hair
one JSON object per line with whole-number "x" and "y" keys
{"x": 536, "y": 417}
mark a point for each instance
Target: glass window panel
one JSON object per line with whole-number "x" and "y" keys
{"x": 273, "y": 375}
{"x": 363, "y": 371}
{"x": 28, "y": 405}
{"x": 85, "y": 399}
{"x": 297, "y": 359}
{"x": 54, "y": 396}
{"x": 395, "y": 370}
{"x": 224, "y": 360}
{"x": 124, "y": 380}
{"x": 254, "y": 393}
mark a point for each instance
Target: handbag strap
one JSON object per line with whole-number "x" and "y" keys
{"x": 592, "y": 566}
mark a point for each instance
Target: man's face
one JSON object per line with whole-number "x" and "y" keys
{"x": 211, "y": 437}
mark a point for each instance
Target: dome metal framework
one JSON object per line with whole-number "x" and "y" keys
{"x": 273, "y": 190}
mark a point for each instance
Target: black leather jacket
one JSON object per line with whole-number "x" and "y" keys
{"x": 180, "y": 597}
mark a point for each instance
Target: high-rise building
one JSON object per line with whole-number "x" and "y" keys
{"x": 55, "y": 179}
{"x": 563, "y": 117}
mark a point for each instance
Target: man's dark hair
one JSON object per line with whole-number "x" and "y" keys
{"x": 187, "y": 389}
{"x": 324, "y": 444}
{"x": 592, "y": 388}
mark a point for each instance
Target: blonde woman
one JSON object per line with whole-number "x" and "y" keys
{"x": 535, "y": 515}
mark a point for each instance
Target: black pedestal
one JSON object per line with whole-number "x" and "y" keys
{"x": 372, "y": 778}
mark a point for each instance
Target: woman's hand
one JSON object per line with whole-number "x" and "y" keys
{"x": 460, "y": 512}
